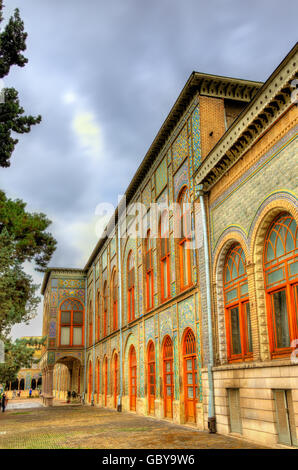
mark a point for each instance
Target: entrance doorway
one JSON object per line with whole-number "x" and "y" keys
{"x": 168, "y": 379}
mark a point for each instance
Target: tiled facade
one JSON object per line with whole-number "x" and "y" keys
{"x": 236, "y": 205}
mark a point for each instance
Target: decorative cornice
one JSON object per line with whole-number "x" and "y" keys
{"x": 64, "y": 271}
{"x": 272, "y": 100}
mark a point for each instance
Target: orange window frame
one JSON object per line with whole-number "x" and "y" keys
{"x": 149, "y": 273}
{"x": 97, "y": 315}
{"x": 105, "y": 309}
{"x": 114, "y": 301}
{"x": 105, "y": 380}
{"x": 151, "y": 362}
{"x": 164, "y": 261}
{"x": 168, "y": 357}
{"x": 130, "y": 287}
{"x": 71, "y": 325}
{"x": 98, "y": 380}
{"x": 184, "y": 232}
{"x": 239, "y": 302}
{"x": 115, "y": 379}
{"x": 288, "y": 284}
{"x": 90, "y": 339}
{"x": 189, "y": 353}
{"x": 132, "y": 375}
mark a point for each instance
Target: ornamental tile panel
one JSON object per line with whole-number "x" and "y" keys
{"x": 161, "y": 177}
{"x": 180, "y": 148}
{"x": 180, "y": 179}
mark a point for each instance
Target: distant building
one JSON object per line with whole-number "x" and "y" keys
{"x": 199, "y": 323}
{"x": 28, "y": 378}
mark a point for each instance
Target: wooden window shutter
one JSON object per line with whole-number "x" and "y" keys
{"x": 285, "y": 417}
{"x": 235, "y": 411}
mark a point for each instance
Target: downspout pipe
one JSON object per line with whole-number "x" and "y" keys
{"x": 211, "y": 408}
{"x": 119, "y": 405}
{"x": 93, "y": 335}
{"x": 85, "y": 345}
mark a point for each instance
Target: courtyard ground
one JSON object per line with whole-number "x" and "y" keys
{"x": 26, "y": 424}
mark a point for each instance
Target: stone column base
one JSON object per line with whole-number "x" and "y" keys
{"x": 47, "y": 400}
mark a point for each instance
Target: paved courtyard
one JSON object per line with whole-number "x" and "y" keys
{"x": 28, "y": 425}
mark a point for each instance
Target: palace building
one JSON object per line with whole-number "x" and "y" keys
{"x": 187, "y": 307}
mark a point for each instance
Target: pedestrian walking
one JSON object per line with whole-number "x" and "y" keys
{"x": 4, "y": 401}
{"x": 68, "y": 396}
{"x": 30, "y": 393}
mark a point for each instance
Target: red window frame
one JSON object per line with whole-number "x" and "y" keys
{"x": 98, "y": 314}
{"x": 105, "y": 380}
{"x": 283, "y": 226}
{"x": 114, "y": 300}
{"x": 132, "y": 378}
{"x": 98, "y": 380}
{"x": 168, "y": 376}
{"x": 164, "y": 256}
{"x": 115, "y": 388}
{"x": 151, "y": 379}
{"x": 130, "y": 286}
{"x": 71, "y": 325}
{"x": 90, "y": 323}
{"x": 149, "y": 272}
{"x": 190, "y": 355}
{"x": 185, "y": 238}
{"x": 237, "y": 285}
{"x": 105, "y": 307}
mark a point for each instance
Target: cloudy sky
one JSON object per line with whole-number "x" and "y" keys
{"x": 104, "y": 75}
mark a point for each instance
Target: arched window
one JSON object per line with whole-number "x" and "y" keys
{"x": 149, "y": 271}
{"x": 71, "y": 323}
{"x": 115, "y": 379}
{"x": 98, "y": 315}
{"x": 151, "y": 377}
{"x": 190, "y": 375}
{"x": 131, "y": 286}
{"x": 168, "y": 377}
{"x": 90, "y": 382}
{"x": 98, "y": 380}
{"x": 281, "y": 282}
{"x": 132, "y": 378}
{"x": 237, "y": 309}
{"x": 184, "y": 242}
{"x": 105, "y": 308}
{"x": 115, "y": 300}
{"x": 164, "y": 256}
{"x": 90, "y": 324}
{"x": 105, "y": 380}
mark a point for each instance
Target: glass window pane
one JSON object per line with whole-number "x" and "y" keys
{"x": 232, "y": 294}
{"x": 77, "y": 336}
{"x": 280, "y": 313}
{"x": 235, "y": 331}
{"x": 168, "y": 379}
{"x": 244, "y": 289}
{"x": 279, "y": 248}
{"x": 169, "y": 391}
{"x": 270, "y": 252}
{"x": 78, "y": 318}
{"x": 189, "y": 379}
{"x": 152, "y": 390}
{"x": 190, "y": 392}
{"x": 289, "y": 243}
{"x": 275, "y": 276}
{"x": 248, "y": 326}
{"x": 65, "y": 318}
{"x": 65, "y": 335}
{"x": 293, "y": 268}
{"x": 189, "y": 364}
{"x": 151, "y": 379}
{"x": 168, "y": 366}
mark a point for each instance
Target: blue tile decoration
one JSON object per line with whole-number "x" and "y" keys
{"x": 180, "y": 179}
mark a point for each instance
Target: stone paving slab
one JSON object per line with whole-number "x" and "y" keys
{"x": 17, "y": 405}
{"x": 85, "y": 427}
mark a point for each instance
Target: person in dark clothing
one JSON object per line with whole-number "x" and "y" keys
{"x": 4, "y": 401}
{"x": 68, "y": 396}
